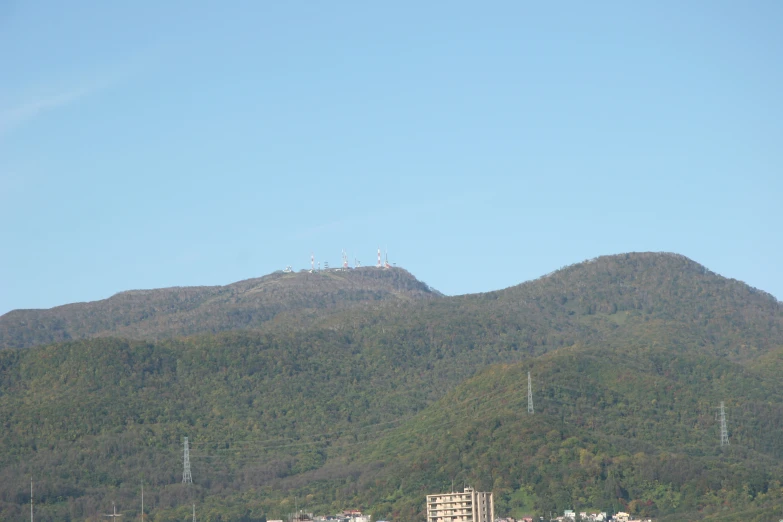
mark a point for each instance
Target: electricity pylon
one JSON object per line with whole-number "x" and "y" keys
{"x": 186, "y": 476}
{"x": 724, "y": 432}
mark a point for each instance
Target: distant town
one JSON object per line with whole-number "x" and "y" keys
{"x": 466, "y": 506}
{"x": 474, "y": 506}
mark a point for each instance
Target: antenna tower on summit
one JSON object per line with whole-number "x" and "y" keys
{"x": 379, "y": 258}
{"x": 345, "y": 261}
{"x": 186, "y": 476}
{"x": 387, "y": 265}
{"x": 724, "y": 432}
{"x": 529, "y": 394}
{"x": 312, "y": 263}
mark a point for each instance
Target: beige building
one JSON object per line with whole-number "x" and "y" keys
{"x": 468, "y": 506}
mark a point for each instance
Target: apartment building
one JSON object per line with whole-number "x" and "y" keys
{"x": 468, "y": 506}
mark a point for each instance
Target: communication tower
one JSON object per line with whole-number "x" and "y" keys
{"x": 379, "y": 258}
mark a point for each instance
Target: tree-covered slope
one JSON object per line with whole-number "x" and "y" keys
{"x": 663, "y": 289}
{"x": 641, "y": 299}
{"x": 375, "y": 406}
{"x": 611, "y": 431}
{"x": 151, "y": 314}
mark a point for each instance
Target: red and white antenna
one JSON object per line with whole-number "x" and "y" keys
{"x": 345, "y": 260}
{"x": 379, "y": 258}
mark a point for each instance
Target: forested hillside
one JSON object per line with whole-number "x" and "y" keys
{"x": 611, "y": 431}
{"x": 375, "y": 406}
{"x": 291, "y": 298}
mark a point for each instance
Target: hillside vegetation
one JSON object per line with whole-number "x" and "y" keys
{"x": 611, "y": 431}
{"x": 374, "y": 406}
{"x": 250, "y": 304}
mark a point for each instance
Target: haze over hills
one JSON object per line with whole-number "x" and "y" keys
{"x": 359, "y": 399}
{"x": 167, "y": 312}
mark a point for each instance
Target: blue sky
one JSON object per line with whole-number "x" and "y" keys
{"x": 149, "y": 144}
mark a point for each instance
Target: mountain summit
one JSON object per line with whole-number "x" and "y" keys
{"x": 248, "y": 304}
{"x": 367, "y": 388}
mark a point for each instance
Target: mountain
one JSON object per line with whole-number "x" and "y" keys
{"x": 249, "y": 304}
{"x": 611, "y": 431}
{"x": 375, "y": 404}
{"x": 640, "y": 299}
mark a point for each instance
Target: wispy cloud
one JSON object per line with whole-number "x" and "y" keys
{"x": 15, "y": 116}
{"x": 30, "y": 109}
{"x": 36, "y": 106}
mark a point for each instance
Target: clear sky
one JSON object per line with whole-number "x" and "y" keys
{"x": 148, "y": 144}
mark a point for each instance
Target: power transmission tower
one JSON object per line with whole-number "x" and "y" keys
{"x": 529, "y": 394}
{"x": 724, "y": 433}
{"x": 114, "y": 514}
{"x": 186, "y": 477}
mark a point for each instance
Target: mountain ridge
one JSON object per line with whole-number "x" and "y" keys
{"x": 580, "y": 295}
{"x": 338, "y": 401}
{"x": 172, "y": 311}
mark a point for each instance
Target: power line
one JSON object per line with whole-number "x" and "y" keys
{"x": 325, "y": 438}
{"x": 461, "y": 414}
{"x": 323, "y": 435}
{"x": 456, "y": 412}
